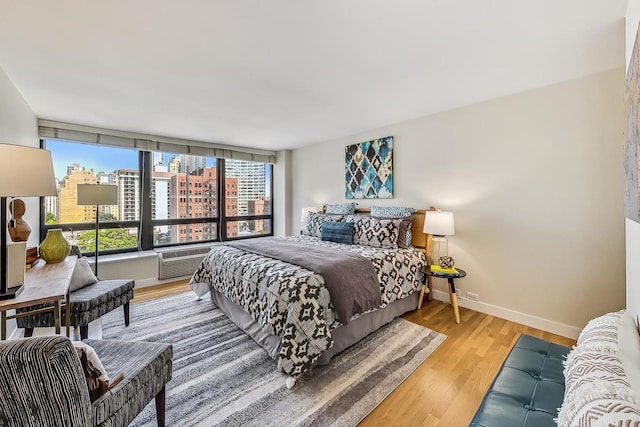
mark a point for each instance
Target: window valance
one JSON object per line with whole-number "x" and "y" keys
{"x": 48, "y": 129}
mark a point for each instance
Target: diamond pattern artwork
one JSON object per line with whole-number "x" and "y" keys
{"x": 369, "y": 169}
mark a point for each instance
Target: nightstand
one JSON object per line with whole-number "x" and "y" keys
{"x": 452, "y": 287}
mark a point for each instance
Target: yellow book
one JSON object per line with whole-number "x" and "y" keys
{"x": 440, "y": 270}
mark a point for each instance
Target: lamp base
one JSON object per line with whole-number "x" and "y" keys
{"x": 439, "y": 248}
{"x": 11, "y": 292}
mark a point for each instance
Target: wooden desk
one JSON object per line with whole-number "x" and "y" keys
{"x": 43, "y": 283}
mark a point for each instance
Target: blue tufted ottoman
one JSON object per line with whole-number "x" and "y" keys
{"x": 528, "y": 389}
{"x": 86, "y": 305}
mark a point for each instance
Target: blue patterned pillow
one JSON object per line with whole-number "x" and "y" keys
{"x": 340, "y": 208}
{"x": 339, "y": 232}
{"x": 314, "y": 223}
{"x": 391, "y": 212}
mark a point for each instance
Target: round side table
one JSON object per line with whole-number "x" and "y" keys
{"x": 452, "y": 287}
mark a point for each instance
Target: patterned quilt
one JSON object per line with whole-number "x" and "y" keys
{"x": 292, "y": 302}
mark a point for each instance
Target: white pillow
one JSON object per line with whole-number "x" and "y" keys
{"x": 92, "y": 357}
{"x": 82, "y": 275}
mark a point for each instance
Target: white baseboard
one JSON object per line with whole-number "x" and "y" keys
{"x": 514, "y": 316}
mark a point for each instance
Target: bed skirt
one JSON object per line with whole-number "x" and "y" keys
{"x": 344, "y": 336}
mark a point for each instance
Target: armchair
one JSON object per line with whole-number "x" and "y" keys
{"x": 42, "y": 382}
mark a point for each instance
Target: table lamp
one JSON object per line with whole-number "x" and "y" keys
{"x": 97, "y": 194}
{"x": 24, "y": 172}
{"x": 439, "y": 224}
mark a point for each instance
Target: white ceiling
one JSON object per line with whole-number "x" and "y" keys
{"x": 285, "y": 73}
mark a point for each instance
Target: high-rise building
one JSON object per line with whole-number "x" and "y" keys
{"x": 189, "y": 163}
{"x": 251, "y": 182}
{"x": 231, "y": 205}
{"x": 174, "y": 165}
{"x": 128, "y": 182}
{"x": 193, "y": 195}
{"x": 70, "y": 211}
{"x": 160, "y": 190}
{"x": 187, "y": 197}
{"x": 259, "y": 207}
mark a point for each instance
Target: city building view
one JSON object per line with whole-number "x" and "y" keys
{"x": 183, "y": 187}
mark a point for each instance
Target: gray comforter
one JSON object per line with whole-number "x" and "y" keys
{"x": 338, "y": 268}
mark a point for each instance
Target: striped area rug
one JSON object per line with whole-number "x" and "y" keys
{"x": 221, "y": 377}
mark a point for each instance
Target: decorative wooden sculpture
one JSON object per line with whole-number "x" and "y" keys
{"x": 19, "y": 230}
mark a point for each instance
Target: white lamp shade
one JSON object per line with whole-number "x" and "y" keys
{"x": 97, "y": 194}
{"x": 26, "y": 172}
{"x": 439, "y": 223}
{"x": 305, "y": 213}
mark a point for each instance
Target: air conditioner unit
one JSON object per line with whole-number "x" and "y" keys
{"x": 180, "y": 262}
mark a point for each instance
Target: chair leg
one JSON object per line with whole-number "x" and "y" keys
{"x": 126, "y": 313}
{"x": 160, "y": 407}
{"x": 28, "y": 332}
{"x": 84, "y": 332}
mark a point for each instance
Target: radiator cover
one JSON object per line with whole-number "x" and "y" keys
{"x": 180, "y": 262}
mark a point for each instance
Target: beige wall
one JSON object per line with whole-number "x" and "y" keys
{"x": 536, "y": 184}
{"x": 282, "y": 192}
{"x": 18, "y": 125}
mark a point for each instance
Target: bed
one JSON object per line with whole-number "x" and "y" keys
{"x": 291, "y": 311}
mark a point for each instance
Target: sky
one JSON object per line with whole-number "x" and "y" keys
{"x": 100, "y": 159}
{"x": 90, "y": 157}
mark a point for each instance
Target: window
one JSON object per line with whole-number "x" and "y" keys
{"x": 247, "y": 195}
{"x": 86, "y": 164}
{"x": 172, "y": 199}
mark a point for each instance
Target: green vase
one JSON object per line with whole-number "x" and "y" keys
{"x": 54, "y": 248}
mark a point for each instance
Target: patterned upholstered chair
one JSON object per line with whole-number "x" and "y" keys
{"x": 42, "y": 382}
{"x": 87, "y": 305}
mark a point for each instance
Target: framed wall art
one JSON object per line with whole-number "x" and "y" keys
{"x": 369, "y": 169}
{"x": 632, "y": 146}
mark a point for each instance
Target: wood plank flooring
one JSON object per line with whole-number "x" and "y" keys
{"x": 447, "y": 388}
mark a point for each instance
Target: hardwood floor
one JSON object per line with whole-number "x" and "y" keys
{"x": 159, "y": 291}
{"x": 447, "y": 388}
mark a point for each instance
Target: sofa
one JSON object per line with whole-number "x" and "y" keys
{"x": 597, "y": 383}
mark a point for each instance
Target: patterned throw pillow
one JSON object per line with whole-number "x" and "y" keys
{"x": 404, "y": 233}
{"x": 340, "y": 208}
{"x": 375, "y": 232}
{"x": 391, "y": 211}
{"x": 313, "y": 226}
{"x": 339, "y": 232}
{"x": 396, "y": 212}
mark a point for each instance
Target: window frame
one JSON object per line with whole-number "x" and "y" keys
{"x": 146, "y": 223}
